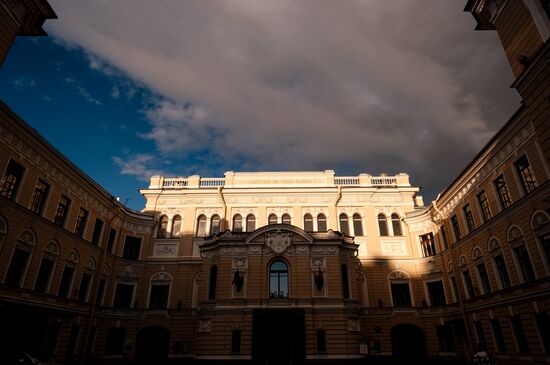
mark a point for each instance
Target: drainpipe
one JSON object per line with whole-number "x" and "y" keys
{"x": 220, "y": 194}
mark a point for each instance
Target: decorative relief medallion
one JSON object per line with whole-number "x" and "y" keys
{"x": 353, "y": 325}
{"x": 90, "y": 265}
{"x": 318, "y": 263}
{"x": 278, "y": 242}
{"x": 239, "y": 264}
{"x": 205, "y": 325}
{"x": 166, "y": 249}
{"x": 128, "y": 274}
{"x": 52, "y": 248}
{"x": 161, "y": 276}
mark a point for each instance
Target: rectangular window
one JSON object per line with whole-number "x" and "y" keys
{"x": 497, "y": 333}
{"x": 111, "y": 240}
{"x": 443, "y": 232}
{"x": 84, "y": 287}
{"x": 321, "y": 341}
{"x": 437, "y": 293}
{"x": 66, "y": 282}
{"x": 519, "y": 334}
{"x": 479, "y": 333}
{"x": 502, "y": 271}
{"x": 484, "y": 277}
{"x": 445, "y": 340}
{"x": 524, "y": 262}
{"x": 236, "y": 342}
{"x": 401, "y": 295}
{"x": 114, "y": 344}
{"x": 470, "y": 291}
{"x": 525, "y": 174}
{"x": 11, "y": 180}
{"x": 100, "y": 292}
{"x": 81, "y": 221}
{"x": 159, "y": 296}
{"x": 39, "y": 195}
{"x": 484, "y": 206}
{"x": 98, "y": 229}
{"x": 502, "y": 192}
{"x": 543, "y": 326}
{"x": 456, "y": 227}
{"x": 469, "y": 217}
{"x": 132, "y": 246}
{"x": 428, "y": 244}
{"x": 123, "y": 296}
{"x": 17, "y": 268}
{"x": 454, "y": 286}
{"x": 44, "y": 275}
{"x": 62, "y": 211}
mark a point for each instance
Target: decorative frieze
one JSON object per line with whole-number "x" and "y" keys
{"x": 165, "y": 249}
{"x": 393, "y": 248}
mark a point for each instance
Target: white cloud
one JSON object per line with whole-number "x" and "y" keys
{"x": 82, "y": 91}
{"x": 141, "y": 165}
{"x": 360, "y": 84}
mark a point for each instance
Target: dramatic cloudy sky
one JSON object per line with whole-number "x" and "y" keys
{"x": 130, "y": 88}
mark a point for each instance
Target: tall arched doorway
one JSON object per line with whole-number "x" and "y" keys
{"x": 407, "y": 342}
{"x": 152, "y": 345}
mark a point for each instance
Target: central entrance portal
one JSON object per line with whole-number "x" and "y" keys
{"x": 278, "y": 337}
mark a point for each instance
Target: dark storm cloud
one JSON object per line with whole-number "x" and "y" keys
{"x": 355, "y": 86}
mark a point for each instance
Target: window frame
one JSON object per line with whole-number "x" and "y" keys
{"x": 484, "y": 206}
{"x": 10, "y": 189}
{"x": 39, "y": 196}
{"x": 502, "y": 191}
{"x": 357, "y": 225}
{"x": 282, "y": 275}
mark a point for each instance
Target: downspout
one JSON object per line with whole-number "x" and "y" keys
{"x": 220, "y": 194}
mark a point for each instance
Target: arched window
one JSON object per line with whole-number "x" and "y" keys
{"x": 215, "y": 224}
{"x": 163, "y": 226}
{"x": 201, "y": 226}
{"x": 344, "y": 225}
{"x": 20, "y": 259}
{"x": 382, "y": 225}
{"x": 250, "y": 223}
{"x": 286, "y": 219}
{"x": 212, "y": 279}
{"x": 345, "y": 281}
{"x": 357, "y": 225}
{"x": 176, "y": 226}
{"x": 159, "y": 291}
{"x": 400, "y": 289}
{"x": 272, "y": 219}
{"x": 237, "y": 223}
{"x": 396, "y": 225}
{"x": 47, "y": 267}
{"x": 278, "y": 280}
{"x": 308, "y": 223}
{"x": 321, "y": 222}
